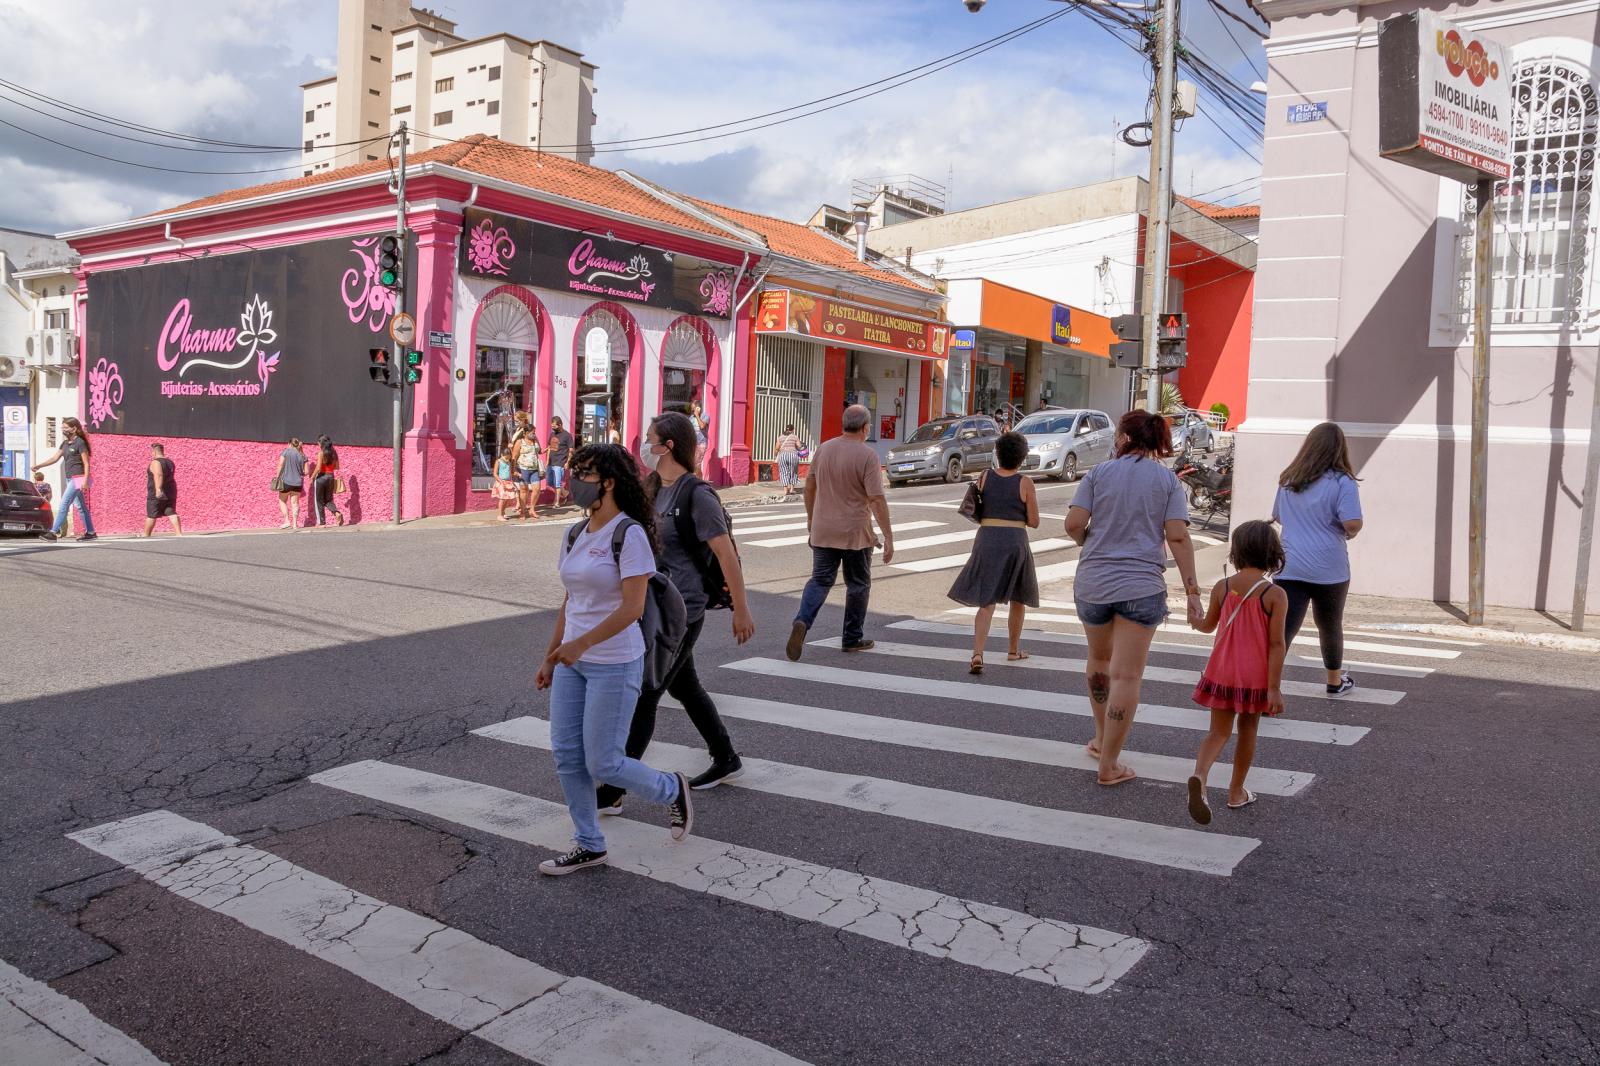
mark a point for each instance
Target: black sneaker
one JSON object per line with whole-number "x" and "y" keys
{"x": 49, "y": 537}
{"x": 576, "y": 859}
{"x": 717, "y": 774}
{"x": 608, "y": 800}
{"x": 87, "y": 536}
{"x": 681, "y": 810}
{"x": 1345, "y": 685}
{"x": 797, "y": 642}
{"x": 860, "y": 645}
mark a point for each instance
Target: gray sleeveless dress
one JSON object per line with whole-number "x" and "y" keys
{"x": 1000, "y": 569}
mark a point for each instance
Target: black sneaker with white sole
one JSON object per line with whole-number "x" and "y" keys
{"x": 717, "y": 774}
{"x": 681, "y": 810}
{"x": 1345, "y": 685}
{"x": 578, "y": 858}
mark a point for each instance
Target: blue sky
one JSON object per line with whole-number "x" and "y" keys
{"x": 1034, "y": 115}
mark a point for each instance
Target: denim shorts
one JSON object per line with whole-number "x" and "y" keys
{"x": 1149, "y": 611}
{"x": 555, "y": 476}
{"x": 528, "y": 477}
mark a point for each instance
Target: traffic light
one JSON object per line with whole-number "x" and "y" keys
{"x": 391, "y": 255}
{"x": 1172, "y": 340}
{"x": 382, "y": 368}
{"x": 413, "y": 367}
{"x": 1129, "y": 353}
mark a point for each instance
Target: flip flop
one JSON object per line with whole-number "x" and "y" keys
{"x": 1016, "y": 656}
{"x": 976, "y": 666}
{"x": 1123, "y": 778}
{"x": 1249, "y": 798}
{"x": 1199, "y": 809}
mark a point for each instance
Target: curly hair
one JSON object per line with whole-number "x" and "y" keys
{"x": 613, "y": 463}
{"x": 1010, "y": 450}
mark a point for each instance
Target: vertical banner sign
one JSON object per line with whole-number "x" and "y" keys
{"x": 596, "y": 357}
{"x": 1444, "y": 98}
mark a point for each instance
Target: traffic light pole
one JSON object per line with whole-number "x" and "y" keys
{"x": 1158, "y": 213}
{"x": 399, "y": 349}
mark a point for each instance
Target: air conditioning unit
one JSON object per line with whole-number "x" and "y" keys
{"x": 60, "y": 349}
{"x": 13, "y": 371}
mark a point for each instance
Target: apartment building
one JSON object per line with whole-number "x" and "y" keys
{"x": 397, "y": 63}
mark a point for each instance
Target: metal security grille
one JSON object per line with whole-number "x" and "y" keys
{"x": 1545, "y": 233}
{"x": 786, "y": 376}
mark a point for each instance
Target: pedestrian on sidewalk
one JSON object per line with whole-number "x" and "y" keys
{"x": 1126, "y": 514}
{"x": 844, "y": 493}
{"x": 594, "y": 665}
{"x": 161, "y": 491}
{"x": 1000, "y": 568}
{"x": 698, "y": 555}
{"x": 325, "y": 481}
{"x": 558, "y": 446}
{"x": 42, "y": 487}
{"x": 289, "y": 482}
{"x": 525, "y": 454}
{"x": 702, "y": 440}
{"x": 1319, "y": 508}
{"x": 786, "y": 451}
{"x": 74, "y": 456}
{"x": 505, "y": 484}
{"x": 1243, "y": 678}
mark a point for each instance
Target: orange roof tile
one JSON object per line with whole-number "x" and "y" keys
{"x": 807, "y": 244}
{"x": 1219, "y": 212}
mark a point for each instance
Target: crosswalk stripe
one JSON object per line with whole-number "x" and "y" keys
{"x": 1177, "y": 605}
{"x": 1071, "y": 618}
{"x": 789, "y": 542}
{"x": 1056, "y": 702}
{"x": 931, "y": 737}
{"x": 41, "y": 1027}
{"x": 950, "y": 562}
{"x": 499, "y": 997}
{"x": 1055, "y": 571}
{"x": 1198, "y": 651}
{"x": 1312, "y": 689}
{"x": 930, "y": 541}
{"x": 782, "y": 527}
{"x": 1184, "y": 849}
{"x": 1069, "y": 956}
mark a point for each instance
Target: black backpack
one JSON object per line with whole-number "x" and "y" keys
{"x": 718, "y": 595}
{"x": 666, "y": 620}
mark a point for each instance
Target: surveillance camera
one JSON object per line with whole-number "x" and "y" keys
{"x": 974, "y": 6}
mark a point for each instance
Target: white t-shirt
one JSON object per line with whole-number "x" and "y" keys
{"x": 593, "y": 581}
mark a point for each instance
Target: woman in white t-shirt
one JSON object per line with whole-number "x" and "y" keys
{"x": 595, "y": 663}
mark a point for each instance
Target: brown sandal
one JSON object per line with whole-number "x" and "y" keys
{"x": 1016, "y": 656}
{"x": 976, "y": 667}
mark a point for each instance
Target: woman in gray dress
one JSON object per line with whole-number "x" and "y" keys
{"x": 1000, "y": 569}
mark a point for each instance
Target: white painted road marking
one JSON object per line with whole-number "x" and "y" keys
{"x": 789, "y": 542}
{"x": 1056, "y": 953}
{"x": 740, "y": 532}
{"x": 1198, "y": 651}
{"x": 931, "y": 737}
{"x": 41, "y": 1027}
{"x": 1184, "y": 849}
{"x": 1193, "y": 717}
{"x": 512, "y": 1003}
{"x": 937, "y": 538}
{"x": 950, "y": 562}
{"x": 1044, "y": 575}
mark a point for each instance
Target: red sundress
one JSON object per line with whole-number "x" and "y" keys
{"x": 1235, "y": 677}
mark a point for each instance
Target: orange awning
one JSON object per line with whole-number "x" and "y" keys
{"x": 1033, "y": 317}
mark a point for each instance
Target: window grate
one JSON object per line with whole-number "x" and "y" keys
{"x": 786, "y": 374}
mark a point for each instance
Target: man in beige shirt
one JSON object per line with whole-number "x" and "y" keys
{"x": 844, "y": 494}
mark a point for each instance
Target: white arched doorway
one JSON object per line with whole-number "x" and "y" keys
{"x": 684, "y": 358}
{"x": 505, "y": 346}
{"x": 604, "y": 351}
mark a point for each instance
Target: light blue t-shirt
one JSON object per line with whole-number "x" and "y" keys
{"x": 1129, "y": 500}
{"x": 1313, "y": 521}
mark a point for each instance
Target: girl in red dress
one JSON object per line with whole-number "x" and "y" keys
{"x": 1243, "y": 676}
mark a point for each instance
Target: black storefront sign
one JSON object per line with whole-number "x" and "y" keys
{"x": 550, "y": 257}
{"x": 258, "y": 346}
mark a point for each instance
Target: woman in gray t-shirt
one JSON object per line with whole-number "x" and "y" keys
{"x": 1126, "y": 514}
{"x": 290, "y": 479}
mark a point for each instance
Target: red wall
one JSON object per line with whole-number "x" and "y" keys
{"x": 1217, "y": 297}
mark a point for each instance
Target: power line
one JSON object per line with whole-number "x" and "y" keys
{"x": 1216, "y": 5}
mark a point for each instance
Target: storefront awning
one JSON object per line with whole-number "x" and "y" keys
{"x": 1003, "y": 309}
{"x": 825, "y": 320}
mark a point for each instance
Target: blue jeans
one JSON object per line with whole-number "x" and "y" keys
{"x": 1148, "y": 611}
{"x": 591, "y": 707}
{"x": 73, "y": 495}
{"x": 825, "y": 564}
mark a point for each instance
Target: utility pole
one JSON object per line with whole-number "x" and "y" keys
{"x": 401, "y": 302}
{"x": 1482, "y": 306}
{"x": 1158, "y": 217}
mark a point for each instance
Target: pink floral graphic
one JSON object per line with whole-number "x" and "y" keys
{"x": 717, "y": 289}
{"x": 363, "y": 296}
{"x": 105, "y": 391}
{"x": 489, "y": 247}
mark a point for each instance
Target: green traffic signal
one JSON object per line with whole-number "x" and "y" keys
{"x": 388, "y": 277}
{"x": 413, "y": 367}
{"x": 413, "y": 358}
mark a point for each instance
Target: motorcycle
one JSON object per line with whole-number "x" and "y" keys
{"x": 1210, "y": 489}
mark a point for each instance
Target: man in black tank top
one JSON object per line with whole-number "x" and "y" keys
{"x": 161, "y": 491}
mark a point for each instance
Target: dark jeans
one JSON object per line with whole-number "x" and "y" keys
{"x": 322, "y": 493}
{"x": 1327, "y": 609}
{"x": 857, "y": 587}
{"x": 683, "y": 685}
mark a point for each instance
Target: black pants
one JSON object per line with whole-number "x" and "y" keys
{"x": 683, "y": 685}
{"x": 322, "y": 494}
{"x": 1327, "y": 609}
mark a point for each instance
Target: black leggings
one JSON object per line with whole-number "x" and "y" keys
{"x": 1327, "y": 609}
{"x": 322, "y": 495}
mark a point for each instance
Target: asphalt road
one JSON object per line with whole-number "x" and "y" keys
{"x": 917, "y": 868}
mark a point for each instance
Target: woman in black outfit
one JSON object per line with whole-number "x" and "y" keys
{"x": 325, "y": 476}
{"x": 1000, "y": 569}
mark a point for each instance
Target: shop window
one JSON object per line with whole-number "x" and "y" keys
{"x": 505, "y": 347}
{"x": 788, "y": 385}
{"x": 684, "y": 356}
{"x": 602, "y": 396}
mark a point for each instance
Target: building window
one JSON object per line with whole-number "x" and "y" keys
{"x": 403, "y": 45}
{"x": 403, "y": 110}
{"x": 311, "y": 115}
{"x": 372, "y": 158}
{"x": 444, "y": 85}
{"x": 494, "y": 73}
{"x": 309, "y": 145}
{"x": 493, "y": 108}
{"x": 373, "y": 92}
{"x": 442, "y": 118}
{"x": 471, "y": 70}
{"x": 1545, "y": 225}
{"x": 307, "y": 174}
{"x": 403, "y": 77}
{"x": 377, "y": 27}
{"x": 55, "y": 320}
{"x": 375, "y": 59}
{"x": 374, "y": 125}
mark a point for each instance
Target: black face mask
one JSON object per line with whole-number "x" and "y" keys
{"x": 586, "y": 494}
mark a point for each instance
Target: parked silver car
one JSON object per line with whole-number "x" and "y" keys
{"x": 1062, "y": 444}
{"x": 945, "y": 447}
{"x": 1191, "y": 432}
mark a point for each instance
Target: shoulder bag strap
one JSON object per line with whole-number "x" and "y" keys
{"x": 1242, "y": 601}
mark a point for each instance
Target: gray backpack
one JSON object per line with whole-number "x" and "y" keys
{"x": 666, "y": 620}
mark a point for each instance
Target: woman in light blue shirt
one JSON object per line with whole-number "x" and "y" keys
{"x": 1319, "y": 508}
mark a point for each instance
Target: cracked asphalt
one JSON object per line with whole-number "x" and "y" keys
{"x": 1430, "y": 898}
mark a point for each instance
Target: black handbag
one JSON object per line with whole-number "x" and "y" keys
{"x": 972, "y": 504}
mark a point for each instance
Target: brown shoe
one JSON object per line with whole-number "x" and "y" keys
{"x": 797, "y": 641}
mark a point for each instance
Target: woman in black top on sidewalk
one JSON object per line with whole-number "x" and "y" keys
{"x": 1000, "y": 569}
{"x": 669, "y": 452}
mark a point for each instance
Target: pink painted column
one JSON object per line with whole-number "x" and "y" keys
{"x": 430, "y": 467}
{"x": 738, "y": 467}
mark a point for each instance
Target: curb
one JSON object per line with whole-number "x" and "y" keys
{"x": 1551, "y": 641}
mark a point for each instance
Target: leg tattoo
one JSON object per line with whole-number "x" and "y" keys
{"x": 1099, "y": 687}
{"x": 1116, "y": 714}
